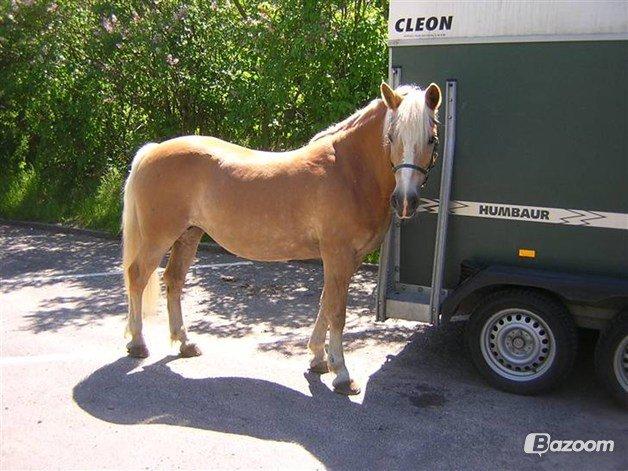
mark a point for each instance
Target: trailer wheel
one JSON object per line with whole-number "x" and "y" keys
{"x": 611, "y": 358}
{"x": 522, "y": 341}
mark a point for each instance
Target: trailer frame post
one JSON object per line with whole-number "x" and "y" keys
{"x": 438, "y": 267}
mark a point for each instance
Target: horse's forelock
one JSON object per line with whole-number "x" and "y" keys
{"x": 411, "y": 122}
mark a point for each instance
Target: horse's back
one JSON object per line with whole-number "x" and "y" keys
{"x": 203, "y": 145}
{"x": 242, "y": 159}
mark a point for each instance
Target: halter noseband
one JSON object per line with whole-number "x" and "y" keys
{"x": 425, "y": 171}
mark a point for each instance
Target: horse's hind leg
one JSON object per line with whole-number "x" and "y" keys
{"x": 317, "y": 345}
{"x": 181, "y": 257}
{"x": 139, "y": 274}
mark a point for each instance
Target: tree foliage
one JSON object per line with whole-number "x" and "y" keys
{"x": 84, "y": 83}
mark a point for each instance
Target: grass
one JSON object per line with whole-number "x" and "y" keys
{"x": 21, "y": 197}
{"x": 103, "y": 209}
{"x": 373, "y": 257}
{"x": 24, "y": 196}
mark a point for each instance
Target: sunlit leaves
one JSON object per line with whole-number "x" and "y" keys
{"x": 83, "y": 83}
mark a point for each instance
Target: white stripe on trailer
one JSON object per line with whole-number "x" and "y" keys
{"x": 512, "y": 212}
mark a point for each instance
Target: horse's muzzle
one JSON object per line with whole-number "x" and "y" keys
{"x": 405, "y": 204}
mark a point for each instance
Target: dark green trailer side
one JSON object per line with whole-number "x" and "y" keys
{"x": 538, "y": 124}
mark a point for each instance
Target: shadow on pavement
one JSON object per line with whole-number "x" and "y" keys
{"x": 28, "y": 259}
{"x": 425, "y": 407}
{"x": 227, "y": 302}
{"x": 91, "y": 305}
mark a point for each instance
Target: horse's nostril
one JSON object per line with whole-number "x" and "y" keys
{"x": 394, "y": 200}
{"x": 414, "y": 202}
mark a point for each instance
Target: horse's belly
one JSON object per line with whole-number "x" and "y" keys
{"x": 265, "y": 243}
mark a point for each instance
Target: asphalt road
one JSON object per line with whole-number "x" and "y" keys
{"x": 72, "y": 399}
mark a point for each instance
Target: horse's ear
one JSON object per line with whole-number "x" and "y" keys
{"x": 433, "y": 96}
{"x": 390, "y": 97}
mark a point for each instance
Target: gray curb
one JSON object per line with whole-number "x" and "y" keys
{"x": 206, "y": 246}
{"x": 60, "y": 228}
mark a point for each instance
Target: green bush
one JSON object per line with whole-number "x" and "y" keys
{"x": 84, "y": 83}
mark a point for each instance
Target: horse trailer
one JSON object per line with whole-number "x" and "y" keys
{"x": 528, "y": 205}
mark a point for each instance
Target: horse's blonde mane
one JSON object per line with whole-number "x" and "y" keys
{"x": 348, "y": 123}
{"x": 411, "y": 122}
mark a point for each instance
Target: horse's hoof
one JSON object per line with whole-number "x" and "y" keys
{"x": 320, "y": 368}
{"x": 137, "y": 351}
{"x": 190, "y": 350}
{"x": 348, "y": 388}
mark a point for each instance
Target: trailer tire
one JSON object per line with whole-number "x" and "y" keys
{"x": 611, "y": 352}
{"x": 522, "y": 341}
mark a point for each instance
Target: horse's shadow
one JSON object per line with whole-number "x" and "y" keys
{"x": 324, "y": 423}
{"x": 412, "y": 412}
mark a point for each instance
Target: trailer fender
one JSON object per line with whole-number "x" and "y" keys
{"x": 571, "y": 288}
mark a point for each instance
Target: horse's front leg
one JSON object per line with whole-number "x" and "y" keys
{"x": 338, "y": 270}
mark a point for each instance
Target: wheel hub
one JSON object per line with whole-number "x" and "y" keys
{"x": 517, "y": 344}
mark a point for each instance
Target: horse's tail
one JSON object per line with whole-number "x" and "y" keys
{"x": 132, "y": 238}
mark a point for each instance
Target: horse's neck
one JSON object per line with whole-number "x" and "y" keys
{"x": 364, "y": 148}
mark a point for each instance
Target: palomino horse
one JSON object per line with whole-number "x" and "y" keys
{"x": 328, "y": 200}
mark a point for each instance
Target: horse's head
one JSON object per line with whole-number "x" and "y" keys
{"x": 410, "y": 131}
